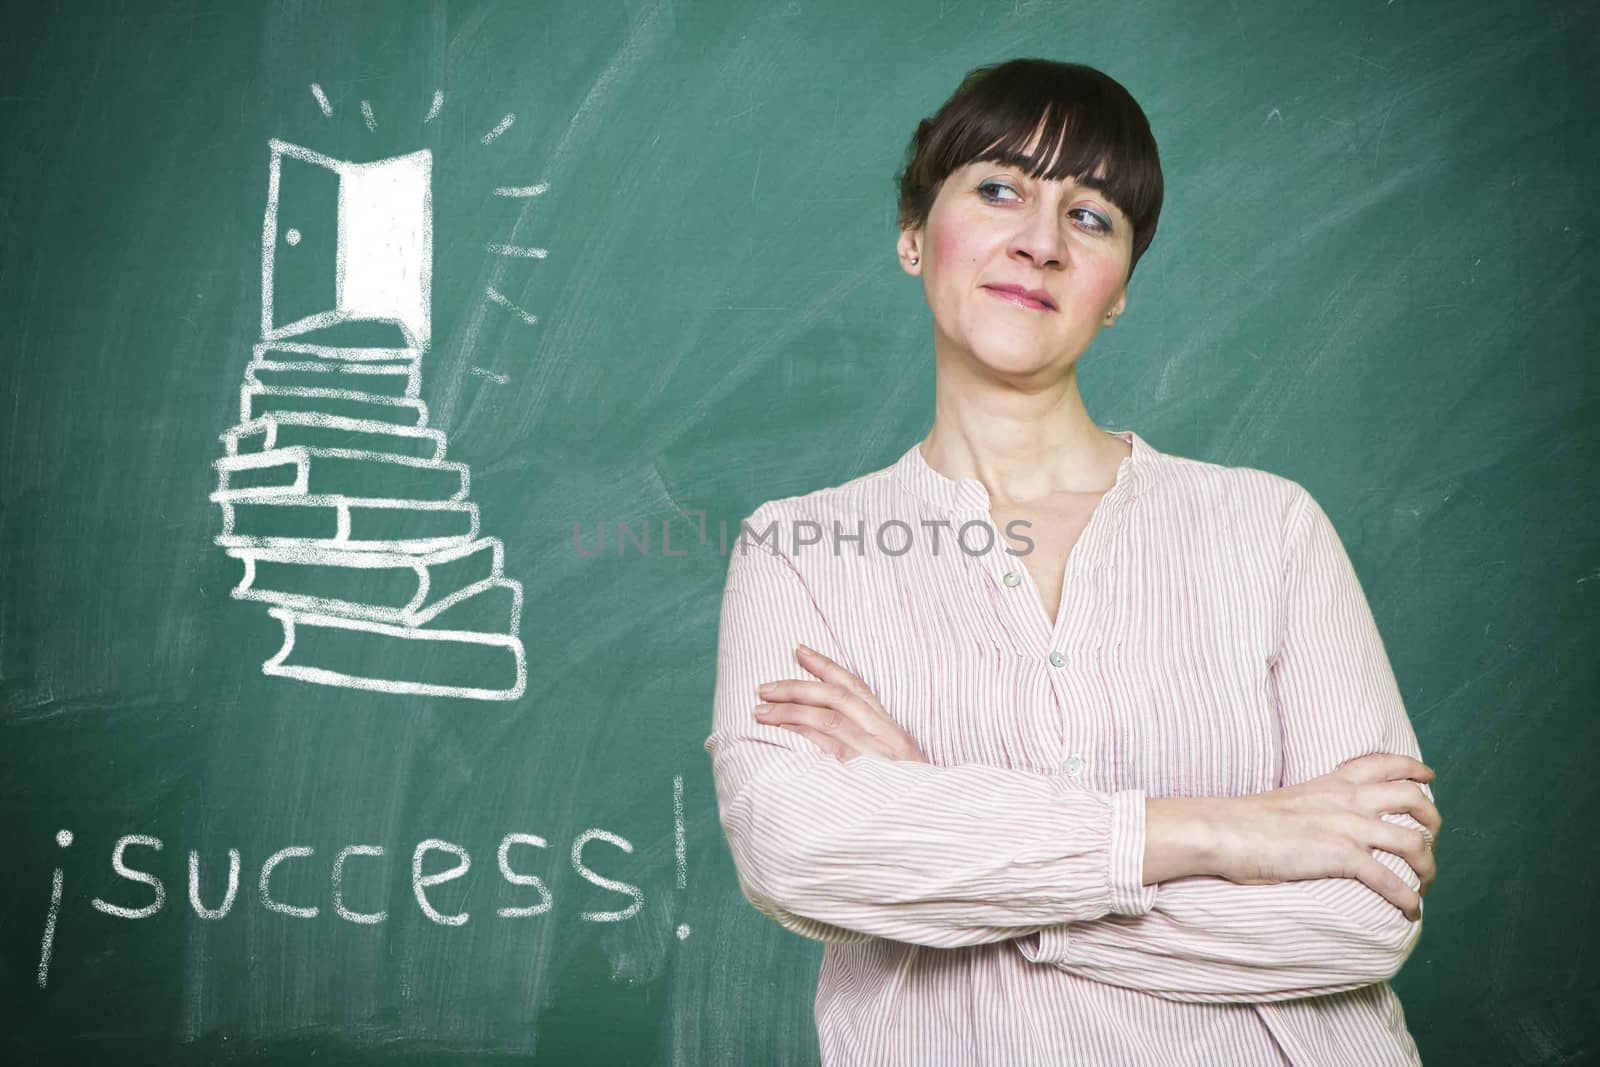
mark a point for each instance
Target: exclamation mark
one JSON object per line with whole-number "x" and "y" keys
{"x": 678, "y": 844}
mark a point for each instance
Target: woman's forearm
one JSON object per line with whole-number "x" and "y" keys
{"x": 1219, "y": 938}
{"x": 1181, "y": 837}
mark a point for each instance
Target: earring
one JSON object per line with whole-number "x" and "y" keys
{"x": 913, "y": 261}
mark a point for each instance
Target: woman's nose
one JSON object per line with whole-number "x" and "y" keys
{"x": 1041, "y": 241}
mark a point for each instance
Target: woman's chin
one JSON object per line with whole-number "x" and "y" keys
{"x": 1021, "y": 362}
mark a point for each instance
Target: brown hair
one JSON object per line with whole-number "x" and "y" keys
{"x": 994, "y": 113}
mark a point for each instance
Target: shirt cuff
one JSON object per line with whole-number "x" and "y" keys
{"x": 1125, "y": 889}
{"x": 1129, "y": 894}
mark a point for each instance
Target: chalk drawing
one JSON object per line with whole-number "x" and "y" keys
{"x": 336, "y": 496}
{"x": 679, "y": 846}
{"x": 120, "y": 865}
{"x": 384, "y": 263}
{"x": 606, "y": 883}
{"x": 48, "y": 941}
{"x": 194, "y": 886}
{"x": 500, "y": 127}
{"x": 374, "y": 874}
{"x": 420, "y": 882}
{"x": 516, "y": 250}
{"x": 522, "y": 190}
{"x": 500, "y": 298}
{"x": 265, "y": 884}
{"x": 362, "y": 917}
{"x": 547, "y": 901}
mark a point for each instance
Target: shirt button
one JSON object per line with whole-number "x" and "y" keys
{"x": 1011, "y": 578}
{"x": 1072, "y": 765}
{"x": 1057, "y": 659}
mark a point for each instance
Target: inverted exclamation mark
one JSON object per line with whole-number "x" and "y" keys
{"x": 64, "y": 839}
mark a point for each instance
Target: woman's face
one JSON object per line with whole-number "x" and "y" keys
{"x": 992, "y": 225}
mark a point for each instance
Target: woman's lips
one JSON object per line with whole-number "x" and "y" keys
{"x": 1018, "y": 299}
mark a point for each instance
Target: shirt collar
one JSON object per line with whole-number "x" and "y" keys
{"x": 969, "y": 494}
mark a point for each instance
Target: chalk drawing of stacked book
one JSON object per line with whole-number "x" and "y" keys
{"x": 336, "y": 496}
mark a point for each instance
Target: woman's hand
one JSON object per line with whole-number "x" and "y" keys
{"x": 1328, "y": 826}
{"x": 840, "y": 714}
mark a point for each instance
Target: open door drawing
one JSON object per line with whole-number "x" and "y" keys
{"x": 378, "y": 220}
{"x": 336, "y": 496}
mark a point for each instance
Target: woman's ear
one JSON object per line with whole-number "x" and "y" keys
{"x": 909, "y": 248}
{"x": 1118, "y": 307}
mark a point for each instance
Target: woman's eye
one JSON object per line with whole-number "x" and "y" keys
{"x": 1097, "y": 223}
{"x": 993, "y": 185}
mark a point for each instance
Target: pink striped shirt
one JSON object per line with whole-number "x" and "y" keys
{"x": 988, "y": 908}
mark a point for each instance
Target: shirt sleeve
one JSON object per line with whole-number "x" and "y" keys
{"x": 1207, "y": 939}
{"x": 930, "y": 855}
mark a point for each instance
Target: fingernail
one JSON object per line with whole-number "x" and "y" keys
{"x": 763, "y": 711}
{"x": 765, "y": 691}
{"x": 805, "y": 649}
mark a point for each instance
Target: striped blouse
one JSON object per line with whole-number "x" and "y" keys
{"x": 988, "y": 907}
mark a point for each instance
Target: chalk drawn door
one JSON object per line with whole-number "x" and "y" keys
{"x": 346, "y": 242}
{"x": 300, "y": 244}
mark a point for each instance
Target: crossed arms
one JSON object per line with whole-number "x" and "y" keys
{"x": 972, "y": 854}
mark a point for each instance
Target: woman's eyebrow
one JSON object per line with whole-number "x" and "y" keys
{"x": 1090, "y": 182}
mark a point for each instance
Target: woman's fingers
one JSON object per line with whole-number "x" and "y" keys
{"x": 831, "y": 671}
{"x": 1415, "y": 847}
{"x": 862, "y": 722}
{"x": 830, "y": 744}
{"x": 1397, "y": 797}
{"x": 1404, "y": 796}
{"x": 1411, "y": 846}
{"x": 1400, "y": 779}
{"x": 820, "y": 721}
{"x": 1386, "y": 766}
{"x": 1390, "y": 886}
{"x": 828, "y": 696}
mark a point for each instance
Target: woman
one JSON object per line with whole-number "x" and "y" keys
{"x": 1074, "y": 751}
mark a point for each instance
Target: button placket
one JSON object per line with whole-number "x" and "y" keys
{"x": 991, "y": 572}
{"x": 1089, "y": 581}
{"x": 1005, "y": 577}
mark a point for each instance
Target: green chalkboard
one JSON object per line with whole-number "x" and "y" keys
{"x": 634, "y": 274}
